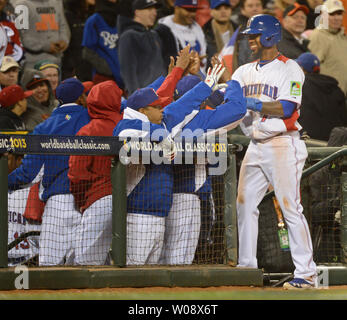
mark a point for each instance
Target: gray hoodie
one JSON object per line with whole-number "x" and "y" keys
{"x": 47, "y": 23}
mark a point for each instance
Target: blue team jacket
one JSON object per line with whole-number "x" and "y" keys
{"x": 66, "y": 120}
{"x": 153, "y": 194}
{"x": 233, "y": 109}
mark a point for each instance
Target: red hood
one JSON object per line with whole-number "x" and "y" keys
{"x": 104, "y": 101}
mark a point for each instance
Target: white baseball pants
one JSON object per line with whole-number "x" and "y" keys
{"x": 145, "y": 236}
{"x": 94, "y": 234}
{"x": 182, "y": 229}
{"x": 59, "y": 223}
{"x": 278, "y": 161}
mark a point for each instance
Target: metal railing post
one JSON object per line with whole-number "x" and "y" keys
{"x": 3, "y": 212}
{"x": 119, "y": 212}
{"x": 230, "y": 215}
{"x": 344, "y": 217}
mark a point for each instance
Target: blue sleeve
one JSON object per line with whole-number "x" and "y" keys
{"x": 157, "y": 83}
{"x": 26, "y": 173}
{"x": 178, "y": 111}
{"x": 225, "y": 114}
{"x": 90, "y": 35}
{"x": 288, "y": 108}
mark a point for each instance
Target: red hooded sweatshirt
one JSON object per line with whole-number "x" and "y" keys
{"x": 90, "y": 176}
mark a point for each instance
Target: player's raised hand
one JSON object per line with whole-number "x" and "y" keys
{"x": 194, "y": 65}
{"x": 213, "y": 76}
{"x": 171, "y": 65}
{"x": 226, "y": 76}
{"x": 183, "y": 58}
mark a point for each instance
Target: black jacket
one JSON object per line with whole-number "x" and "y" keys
{"x": 311, "y": 16}
{"x": 72, "y": 63}
{"x": 290, "y": 47}
{"x": 140, "y": 54}
{"x": 211, "y": 41}
{"x": 323, "y": 106}
{"x": 10, "y": 121}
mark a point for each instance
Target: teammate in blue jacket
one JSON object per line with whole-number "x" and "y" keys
{"x": 149, "y": 187}
{"x": 191, "y": 181}
{"x": 60, "y": 216}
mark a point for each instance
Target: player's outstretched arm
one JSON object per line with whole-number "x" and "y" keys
{"x": 273, "y": 108}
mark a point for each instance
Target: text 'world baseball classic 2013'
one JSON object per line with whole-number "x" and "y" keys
{"x": 174, "y": 309}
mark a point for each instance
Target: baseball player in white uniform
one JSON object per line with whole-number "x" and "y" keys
{"x": 276, "y": 155}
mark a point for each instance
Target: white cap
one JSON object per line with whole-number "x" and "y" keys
{"x": 333, "y": 5}
{"x": 7, "y": 63}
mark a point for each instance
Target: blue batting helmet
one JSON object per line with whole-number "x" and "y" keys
{"x": 267, "y": 26}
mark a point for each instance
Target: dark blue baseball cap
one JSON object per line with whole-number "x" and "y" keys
{"x": 186, "y": 3}
{"x": 141, "y": 98}
{"x": 216, "y": 3}
{"x": 69, "y": 90}
{"x": 185, "y": 84}
{"x": 309, "y": 62}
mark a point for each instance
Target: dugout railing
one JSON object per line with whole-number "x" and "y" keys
{"x": 62, "y": 145}
{"x": 271, "y": 258}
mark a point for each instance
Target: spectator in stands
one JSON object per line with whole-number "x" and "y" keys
{"x": 100, "y": 36}
{"x": 60, "y": 217}
{"x": 313, "y": 14}
{"x": 294, "y": 24}
{"x": 72, "y": 64}
{"x": 14, "y": 46}
{"x": 50, "y": 71}
{"x": 140, "y": 47}
{"x": 48, "y": 35}
{"x": 220, "y": 28}
{"x": 42, "y": 102}
{"x": 242, "y": 52}
{"x": 279, "y": 7}
{"x": 323, "y": 105}
{"x": 186, "y": 30}
{"x": 9, "y": 72}
{"x": 329, "y": 43}
{"x": 13, "y": 104}
{"x": 91, "y": 180}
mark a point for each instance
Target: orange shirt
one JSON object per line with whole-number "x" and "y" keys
{"x": 344, "y": 2}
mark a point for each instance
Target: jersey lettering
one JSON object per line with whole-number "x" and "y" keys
{"x": 258, "y": 89}
{"x": 15, "y": 217}
{"x": 110, "y": 40}
{"x": 47, "y": 22}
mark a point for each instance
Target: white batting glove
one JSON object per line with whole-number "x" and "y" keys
{"x": 169, "y": 148}
{"x": 213, "y": 75}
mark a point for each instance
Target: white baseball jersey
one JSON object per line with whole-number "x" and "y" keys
{"x": 281, "y": 79}
{"x": 191, "y": 34}
{"x": 17, "y": 225}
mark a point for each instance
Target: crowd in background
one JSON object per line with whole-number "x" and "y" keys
{"x": 98, "y": 40}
